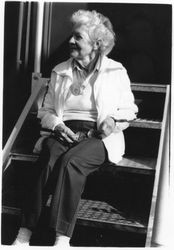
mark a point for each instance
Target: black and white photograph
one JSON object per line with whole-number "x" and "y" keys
{"x": 100, "y": 175}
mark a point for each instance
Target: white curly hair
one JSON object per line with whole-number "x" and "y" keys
{"x": 99, "y": 28}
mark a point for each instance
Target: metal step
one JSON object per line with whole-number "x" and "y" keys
{"x": 147, "y": 87}
{"x": 132, "y": 164}
{"x": 144, "y": 123}
{"x": 101, "y": 214}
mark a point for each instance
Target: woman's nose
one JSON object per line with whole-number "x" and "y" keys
{"x": 72, "y": 40}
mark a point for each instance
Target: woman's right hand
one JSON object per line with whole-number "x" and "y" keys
{"x": 65, "y": 133}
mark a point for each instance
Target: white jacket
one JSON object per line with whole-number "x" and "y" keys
{"x": 113, "y": 97}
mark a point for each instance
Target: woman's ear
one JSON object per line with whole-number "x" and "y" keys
{"x": 97, "y": 45}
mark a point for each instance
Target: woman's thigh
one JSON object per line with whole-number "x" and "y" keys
{"x": 54, "y": 149}
{"x": 88, "y": 155}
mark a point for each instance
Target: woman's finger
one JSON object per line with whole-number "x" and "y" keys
{"x": 67, "y": 138}
{"x": 71, "y": 135}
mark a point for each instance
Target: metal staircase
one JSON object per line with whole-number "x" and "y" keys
{"x": 145, "y": 139}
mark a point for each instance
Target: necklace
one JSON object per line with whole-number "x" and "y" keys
{"x": 80, "y": 83}
{"x": 76, "y": 89}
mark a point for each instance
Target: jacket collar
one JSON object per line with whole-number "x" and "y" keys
{"x": 65, "y": 69}
{"x": 78, "y": 66}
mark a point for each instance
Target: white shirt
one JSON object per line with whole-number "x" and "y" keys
{"x": 83, "y": 106}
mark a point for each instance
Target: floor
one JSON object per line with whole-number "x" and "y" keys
{"x": 82, "y": 237}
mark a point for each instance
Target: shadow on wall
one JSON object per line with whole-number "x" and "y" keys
{"x": 59, "y": 55}
{"x": 143, "y": 39}
{"x": 59, "y": 34}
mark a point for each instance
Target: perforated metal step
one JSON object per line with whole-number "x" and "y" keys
{"x": 101, "y": 214}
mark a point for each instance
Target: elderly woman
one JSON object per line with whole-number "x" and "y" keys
{"x": 88, "y": 104}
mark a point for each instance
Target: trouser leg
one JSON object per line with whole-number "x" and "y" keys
{"x": 40, "y": 186}
{"x": 76, "y": 165}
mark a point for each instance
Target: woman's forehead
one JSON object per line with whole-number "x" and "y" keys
{"x": 80, "y": 28}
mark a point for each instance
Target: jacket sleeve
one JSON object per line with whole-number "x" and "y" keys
{"x": 47, "y": 113}
{"x": 127, "y": 109}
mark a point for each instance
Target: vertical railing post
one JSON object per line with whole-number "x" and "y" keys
{"x": 161, "y": 232}
{"x": 19, "y": 42}
{"x": 39, "y": 33}
{"x": 161, "y": 221}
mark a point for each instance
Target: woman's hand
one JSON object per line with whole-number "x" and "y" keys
{"x": 120, "y": 126}
{"x": 109, "y": 125}
{"x": 64, "y": 133}
{"x": 106, "y": 127}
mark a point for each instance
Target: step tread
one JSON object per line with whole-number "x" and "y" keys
{"x": 147, "y": 163}
{"x": 147, "y": 87}
{"x": 145, "y": 123}
{"x": 99, "y": 212}
{"x": 138, "y": 163}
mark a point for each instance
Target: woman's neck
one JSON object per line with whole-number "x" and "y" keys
{"x": 89, "y": 63}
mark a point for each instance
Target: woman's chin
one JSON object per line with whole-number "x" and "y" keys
{"x": 74, "y": 54}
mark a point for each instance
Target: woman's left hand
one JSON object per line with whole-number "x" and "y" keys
{"x": 106, "y": 127}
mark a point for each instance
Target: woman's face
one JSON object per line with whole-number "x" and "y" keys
{"x": 81, "y": 46}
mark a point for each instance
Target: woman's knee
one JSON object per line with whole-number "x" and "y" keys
{"x": 75, "y": 165}
{"x": 68, "y": 158}
{"x": 71, "y": 162}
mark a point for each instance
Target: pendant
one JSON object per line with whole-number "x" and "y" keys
{"x": 76, "y": 89}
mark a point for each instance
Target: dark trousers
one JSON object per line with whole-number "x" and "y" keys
{"x": 62, "y": 171}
